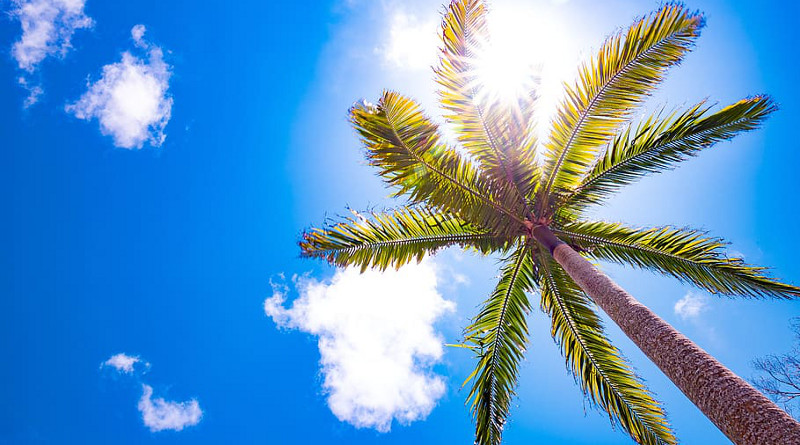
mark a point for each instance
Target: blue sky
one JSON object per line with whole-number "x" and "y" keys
{"x": 153, "y": 202}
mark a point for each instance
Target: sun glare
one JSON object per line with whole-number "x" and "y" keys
{"x": 529, "y": 50}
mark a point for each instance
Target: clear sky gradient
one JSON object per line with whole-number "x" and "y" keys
{"x": 154, "y": 220}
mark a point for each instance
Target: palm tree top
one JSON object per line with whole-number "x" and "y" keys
{"x": 513, "y": 191}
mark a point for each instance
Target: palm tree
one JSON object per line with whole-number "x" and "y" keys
{"x": 525, "y": 200}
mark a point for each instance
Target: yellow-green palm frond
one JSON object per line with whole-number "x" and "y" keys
{"x": 394, "y": 238}
{"x": 603, "y": 374}
{"x": 405, "y": 145}
{"x": 688, "y": 255}
{"x": 498, "y": 335}
{"x": 627, "y": 68}
{"x": 658, "y": 144}
{"x": 498, "y": 133}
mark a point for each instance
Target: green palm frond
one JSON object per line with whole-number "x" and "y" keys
{"x": 688, "y": 255}
{"x": 627, "y": 69}
{"x": 394, "y": 239}
{"x": 658, "y": 144}
{"x": 603, "y": 374}
{"x": 498, "y": 335}
{"x": 497, "y": 133}
{"x": 405, "y": 145}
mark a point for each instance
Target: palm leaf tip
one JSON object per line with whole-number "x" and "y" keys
{"x": 628, "y": 67}
{"x": 393, "y": 239}
{"x": 688, "y": 255}
{"x": 598, "y": 367}
{"x": 659, "y": 143}
{"x": 498, "y": 335}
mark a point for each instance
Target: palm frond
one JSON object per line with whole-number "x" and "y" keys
{"x": 393, "y": 239}
{"x": 405, "y": 145}
{"x": 689, "y": 255}
{"x": 498, "y": 335}
{"x": 498, "y": 133}
{"x": 603, "y": 374}
{"x": 658, "y": 144}
{"x": 627, "y": 69}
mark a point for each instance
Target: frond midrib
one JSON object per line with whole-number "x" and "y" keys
{"x": 490, "y": 138}
{"x": 410, "y": 240}
{"x": 452, "y": 180}
{"x": 627, "y": 246}
{"x": 594, "y": 102}
{"x": 501, "y": 158}
{"x": 589, "y": 354}
{"x": 646, "y": 154}
{"x": 499, "y": 335}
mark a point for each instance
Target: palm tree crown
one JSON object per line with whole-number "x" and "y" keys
{"x": 510, "y": 185}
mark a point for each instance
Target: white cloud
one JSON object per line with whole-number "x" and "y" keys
{"x": 412, "y": 42}
{"x": 137, "y": 34}
{"x": 47, "y": 29}
{"x": 34, "y": 91}
{"x": 122, "y": 362}
{"x": 690, "y": 306}
{"x": 376, "y": 340}
{"x": 159, "y": 414}
{"x": 130, "y": 101}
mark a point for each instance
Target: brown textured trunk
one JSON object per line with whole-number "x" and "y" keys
{"x": 740, "y": 411}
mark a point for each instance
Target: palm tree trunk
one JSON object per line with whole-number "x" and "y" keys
{"x": 741, "y": 412}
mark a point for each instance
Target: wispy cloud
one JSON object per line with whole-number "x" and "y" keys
{"x": 130, "y": 100}
{"x": 137, "y": 34}
{"x": 34, "y": 91}
{"x": 123, "y": 362}
{"x": 691, "y": 306}
{"x": 159, "y": 414}
{"x": 47, "y": 29}
{"x": 376, "y": 340}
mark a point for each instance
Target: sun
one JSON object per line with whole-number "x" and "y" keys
{"x": 501, "y": 71}
{"x": 529, "y": 49}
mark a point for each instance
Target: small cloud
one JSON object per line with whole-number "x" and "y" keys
{"x": 376, "y": 340}
{"x": 122, "y": 362}
{"x": 137, "y": 34}
{"x": 47, "y": 29}
{"x": 690, "y": 306}
{"x": 34, "y": 92}
{"x": 130, "y": 100}
{"x": 411, "y": 42}
{"x": 159, "y": 414}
